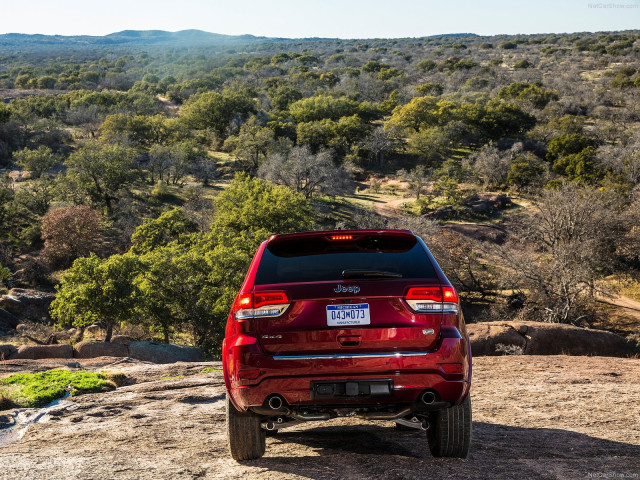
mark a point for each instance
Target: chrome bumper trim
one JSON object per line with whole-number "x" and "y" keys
{"x": 351, "y": 355}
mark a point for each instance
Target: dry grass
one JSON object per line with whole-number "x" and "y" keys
{"x": 5, "y": 403}
{"x": 614, "y": 319}
{"x": 117, "y": 378}
{"x": 631, "y": 289}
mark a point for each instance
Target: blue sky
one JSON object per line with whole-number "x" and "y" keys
{"x": 322, "y": 18}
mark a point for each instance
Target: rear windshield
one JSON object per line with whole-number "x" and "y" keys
{"x": 317, "y": 259}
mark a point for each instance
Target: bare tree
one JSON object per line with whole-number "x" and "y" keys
{"x": 418, "y": 178}
{"x": 623, "y": 158}
{"x": 379, "y": 143}
{"x": 306, "y": 172}
{"x": 492, "y": 165}
{"x": 564, "y": 249}
{"x": 159, "y": 162}
{"x": 69, "y": 233}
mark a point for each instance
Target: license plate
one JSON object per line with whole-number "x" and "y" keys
{"x": 348, "y": 315}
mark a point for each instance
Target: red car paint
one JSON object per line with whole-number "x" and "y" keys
{"x": 282, "y": 355}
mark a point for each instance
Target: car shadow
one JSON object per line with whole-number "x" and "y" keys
{"x": 498, "y": 451}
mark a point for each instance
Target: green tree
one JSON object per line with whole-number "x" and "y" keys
{"x": 526, "y": 170}
{"x": 419, "y": 112}
{"x": 5, "y": 275}
{"x": 317, "y": 134}
{"x": 579, "y": 167}
{"x": 143, "y": 130}
{"x": 533, "y": 93}
{"x": 426, "y": 65}
{"x": 373, "y": 66}
{"x": 506, "y": 120}
{"x": 430, "y": 89}
{"x": 247, "y": 213}
{"x": 171, "y": 226}
{"x": 252, "y": 144}
{"x": 37, "y": 195}
{"x": 159, "y": 284}
{"x": 447, "y": 187}
{"x": 101, "y": 172}
{"x": 5, "y": 113}
{"x": 95, "y": 290}
{"x": 283, "y": 96}
{"x": 455, "y": 63}
{"x": 183, "y": 155}
{"x": 321, "y": 107}
{"x": 216, "y": 111}
{"x": 524, "y": 63}
{"x": 36, "y": 161}
{"x": 417, "y": 178}
{"x": 261, "y": 208}
{"x": 431, "y": 144}
{"x": 568, "y": 144}
{"x": 339, "y": 135}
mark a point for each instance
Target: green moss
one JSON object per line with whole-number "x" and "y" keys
{"x": 37, "y": 389}
{"x": 210, "y": 370}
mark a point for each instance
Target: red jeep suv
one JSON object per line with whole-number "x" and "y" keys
{"x": 347, "y": 323}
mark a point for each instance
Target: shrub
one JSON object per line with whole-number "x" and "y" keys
{"x": 524, "y": 63}
{"x": 526, "y": 170}
{"x": 36, "y": 161}
{"x": 69, "y": 233}
{"x": 5, "y": 275}
{"x": 426, "y": 65}
{"x": 509, "y": 349}
{"x": 430, "y": 89}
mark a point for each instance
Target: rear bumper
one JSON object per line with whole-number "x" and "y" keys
{"x": 252, "y": 377}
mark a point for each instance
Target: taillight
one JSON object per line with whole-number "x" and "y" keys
{"x": 260, "y": 305}
{"x": 269, "y": 298}
{"x": 432, "y": 299}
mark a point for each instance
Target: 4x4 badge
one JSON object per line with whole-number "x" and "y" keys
{"x": 342, "y": 288}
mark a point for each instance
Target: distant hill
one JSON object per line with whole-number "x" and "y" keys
{"x": 130, "y": 38}
{"x": 150, "y": 38}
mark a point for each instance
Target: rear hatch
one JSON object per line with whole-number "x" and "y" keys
{"x": 345, "y": 294}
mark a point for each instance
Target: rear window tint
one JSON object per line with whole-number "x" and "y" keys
{"x": 316, "y": 259}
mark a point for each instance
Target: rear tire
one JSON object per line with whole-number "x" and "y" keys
{"x": 245, "y": 437}
{"x": 450, "y": 432}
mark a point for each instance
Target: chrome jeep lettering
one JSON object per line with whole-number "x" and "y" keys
{"x": 350, "y": 289}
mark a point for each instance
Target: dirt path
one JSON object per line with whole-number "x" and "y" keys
{"x": 534, "y": 417}
{"x": 168, "y": 103}
{"x": 630, "y": 306}
{"x": 390, "y": 208}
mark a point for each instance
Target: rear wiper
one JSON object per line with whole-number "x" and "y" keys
{"x": 369, "y": 274}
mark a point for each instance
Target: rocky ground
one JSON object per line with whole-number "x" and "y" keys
{"x": 534, "y": 417}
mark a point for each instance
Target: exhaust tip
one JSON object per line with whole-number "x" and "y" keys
{"x": 428, "y": 398}
{"x": 276, "y": 402}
